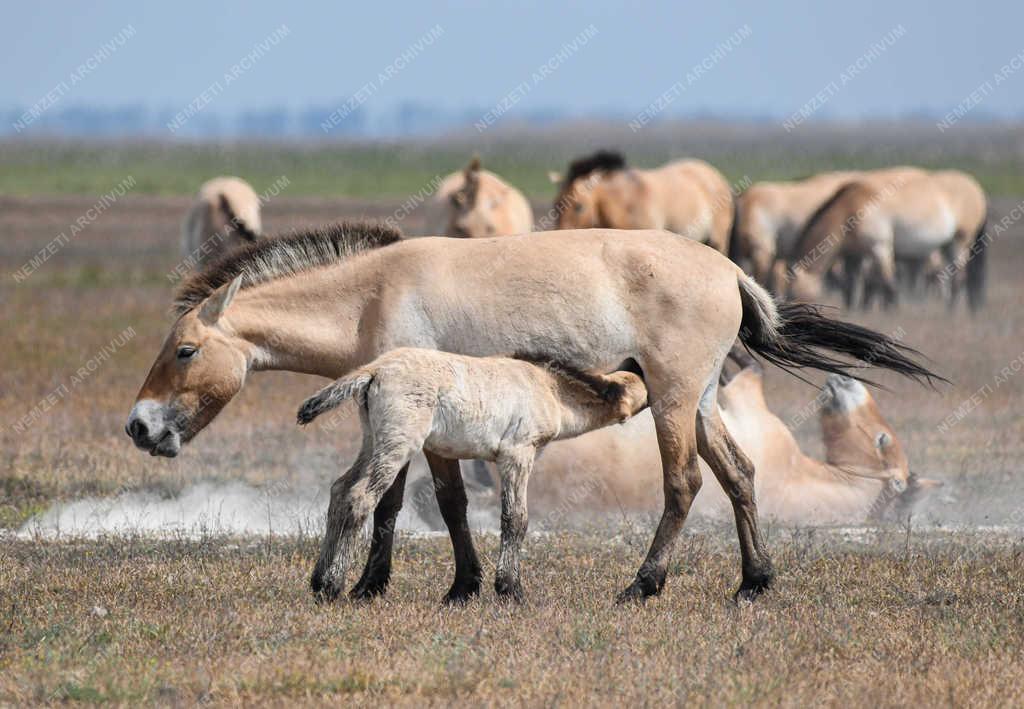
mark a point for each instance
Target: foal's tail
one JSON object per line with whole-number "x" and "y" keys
{"x": 796, "y": 335}
{"x": 334, "y": 394}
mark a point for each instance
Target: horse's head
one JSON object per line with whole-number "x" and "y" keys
{"x": 634, "y": 393}
{"x": 854, "y": 430}
{"x": 477, "y": 207}
{"x": 201, "y": 366}
{"x": 577, "y": 204}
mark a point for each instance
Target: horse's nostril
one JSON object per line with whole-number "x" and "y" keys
{"x": 138, "y": 430}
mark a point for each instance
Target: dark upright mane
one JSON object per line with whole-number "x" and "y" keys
{"x": 595, "y": 384}
{"x": 606, "y": 160}
{"x": 268, "y": 259}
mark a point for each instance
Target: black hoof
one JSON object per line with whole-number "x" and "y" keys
{"x": 509, "y": 590}
{"x": 640, "y": 590}
{"x": 368, "y": 590}
{"x": 462, "y": 592}
{"x": 323, "y": 591}
{"x": 753, "y": 586}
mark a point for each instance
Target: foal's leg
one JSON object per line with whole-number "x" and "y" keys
{"x": 336, "y": 512}
{"x": 353, "y": 497}
{"x": 377, "y": 573}
{"x": 451, "y": 498}
{"x": 674, "y": 422}
{"x": 736, "y": 475}
{"x": 515, "y": 475}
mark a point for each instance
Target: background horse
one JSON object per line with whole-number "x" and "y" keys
{"x": 475, "y": 203}
{"x": 225, "y": 214}
{"x": 688, "y": 197}
{"x": 872, "y": 221}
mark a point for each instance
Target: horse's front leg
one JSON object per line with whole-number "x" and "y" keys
{"x": 377, "y": 573}
{"x": 451, "y": 498}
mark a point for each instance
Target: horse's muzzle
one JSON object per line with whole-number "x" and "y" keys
{"x": 150, "y": 431}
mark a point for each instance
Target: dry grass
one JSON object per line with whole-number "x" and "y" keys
{"x": 182, "y": 622}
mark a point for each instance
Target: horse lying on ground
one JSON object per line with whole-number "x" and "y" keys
{"x": 329, "y": 300}
{"x": 486, "y": 408}
{"x": 688, "y": 197}
{"x": 475, "y": 203}
{"x": 226, "y": 214}
{"x": 865, "y": 475}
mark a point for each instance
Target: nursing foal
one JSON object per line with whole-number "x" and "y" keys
{"x": 499, "y": 409}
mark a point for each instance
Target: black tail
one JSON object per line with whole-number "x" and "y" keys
{"x": 797, "y": 336}
{"x": 236, "y": 222}
{"x": 977, "y": 268}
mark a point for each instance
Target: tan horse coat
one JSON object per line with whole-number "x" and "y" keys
{"x": 327, "y": 301}
{"x": 476, "y": 203}
{"x": 905, "y": 214}
{"x": 225, "y": 214}
{"x": 688, "y": 197}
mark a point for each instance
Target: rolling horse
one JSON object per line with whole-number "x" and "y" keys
{"x": 329, "y": 300}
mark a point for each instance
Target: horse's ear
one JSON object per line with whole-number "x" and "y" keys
{"x": 474, "y": 164}
{"x": 218, "y": 301}
{"x": 554, "y": 177}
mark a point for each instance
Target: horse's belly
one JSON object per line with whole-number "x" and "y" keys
{"x": 917, "y": 238}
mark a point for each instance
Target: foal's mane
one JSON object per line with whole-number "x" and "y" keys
{"x": 282, "y": 256}
{"x": 607, "y": 160}
{"x": 593, "y": 384}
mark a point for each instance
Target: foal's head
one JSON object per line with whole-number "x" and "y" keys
{"x": 201, "y": 366}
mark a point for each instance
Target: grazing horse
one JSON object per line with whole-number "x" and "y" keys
{"x": 330, "y": 300}
{"x": 486, "y": 408}
{"x": 688, "y": 197}
{"x": 476, "y": 203}
{"x": 225, "y": 214}
{"x": 770, "y": 216}
{"x": 906, "y": 215}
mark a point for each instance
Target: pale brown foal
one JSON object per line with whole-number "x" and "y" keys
{"x": 330, "y": 300}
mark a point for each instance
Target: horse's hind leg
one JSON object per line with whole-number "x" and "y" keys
{"x": 674, "y": 421}
{"x": 377, "y": 572}
{"x": 515, "y": 475}
{"x": 451, "y": 498}
{"x": 735, "y": 473}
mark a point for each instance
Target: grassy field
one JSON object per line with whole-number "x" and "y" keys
{"x": 905, "y": 615}
{"x": 897, "y": 622}
{"x": 388, "y": 170}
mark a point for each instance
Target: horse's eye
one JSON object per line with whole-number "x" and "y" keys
{"x": 578, "y": 208}
{"x": 882, "y": 440}
{"x": 187, "y": 352}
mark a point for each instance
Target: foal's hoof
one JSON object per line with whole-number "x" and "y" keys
{"x": 461, "y": 592}
{"x": 324, "y": 591}
{"x": 509, "y": 591}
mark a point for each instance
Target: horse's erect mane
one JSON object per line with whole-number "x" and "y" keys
{"x": 607, "y": 160}
{"x": 282, "y": 256}
{"x": 594, "y": 384}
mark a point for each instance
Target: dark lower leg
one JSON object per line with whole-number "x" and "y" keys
{"x": 451, "y": 498}
{"x": 736, "y": 475}
{"x": 377, "y": 572}
{"x": 514, "y": 520}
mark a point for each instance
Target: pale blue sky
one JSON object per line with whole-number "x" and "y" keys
{"x": 795, "y": 49}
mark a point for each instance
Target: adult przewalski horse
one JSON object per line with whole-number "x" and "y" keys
{"x": 327, "y": 301}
